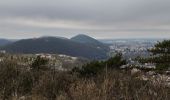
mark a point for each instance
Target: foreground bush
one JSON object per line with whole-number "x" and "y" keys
{"x": 117, "y": 86}
{"x": 8, "y": 79}
{"x": 109, "y": 84}
{"x": 96, "y": 67}
{"x": 52, "y": 84}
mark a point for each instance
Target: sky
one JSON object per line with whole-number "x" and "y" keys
{"x": 101, "y": 19}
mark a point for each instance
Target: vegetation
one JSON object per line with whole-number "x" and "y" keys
{"x": 109, "y": 83}
{"x": 160, "y": 55}
{"x": 39, "y": 63}
{"x": 4, "y": 42}
{"x": 90, "y": 41}
{"x": 55, "y": 45}
{"x": 93, "y": 68}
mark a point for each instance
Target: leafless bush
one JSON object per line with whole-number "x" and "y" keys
{"x": 52, "y": 84}
{"x": 118, "y": 85}
{"x": 111, "y": 84}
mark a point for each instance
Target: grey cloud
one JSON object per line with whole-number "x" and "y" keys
{"x": 95, "y": 17}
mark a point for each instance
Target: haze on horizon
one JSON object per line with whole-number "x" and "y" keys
{"x": 97, "y": 18}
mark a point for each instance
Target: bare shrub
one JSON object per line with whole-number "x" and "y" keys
{"x": 117, "y": 85}
{"x": 109, "y": 84}
{"x": 52, "y": 84}
{"x": 8, "y": 79}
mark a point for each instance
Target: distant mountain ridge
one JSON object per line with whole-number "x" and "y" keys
{"x": 81, "y": 38}
{"x": 84, "y": 39}
{"x": 60, "y": 46}
{"x": 4, "y": 42}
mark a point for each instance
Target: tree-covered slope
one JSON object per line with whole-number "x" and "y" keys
{"x": 56, "y": 45}
{"x": 4, "y": 42}
{"x": 90, "y": 41}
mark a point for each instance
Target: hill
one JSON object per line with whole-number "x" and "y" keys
{"x": 81, "y": 38}
{"x": 56, "y": 45}
{"x": 4, "y": 42}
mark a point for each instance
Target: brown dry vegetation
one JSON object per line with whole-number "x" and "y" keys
{"x": 111, "y": 84}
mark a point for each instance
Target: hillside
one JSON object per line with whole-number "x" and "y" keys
{"x": 4, "y": 42}
{"x": 81, "y": 38}
{"x": 85, "y": 39}
{"x": 56, "y": 45}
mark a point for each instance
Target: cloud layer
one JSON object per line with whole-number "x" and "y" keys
{"x": 98, "y": 18}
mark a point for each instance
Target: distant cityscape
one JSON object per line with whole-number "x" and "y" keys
{"x": 131, "y": 49}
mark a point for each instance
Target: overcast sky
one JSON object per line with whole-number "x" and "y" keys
{"x": 97, "y": 18}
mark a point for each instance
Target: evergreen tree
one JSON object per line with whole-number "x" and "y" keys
{"x": 95, "y": 67}
{"x": 116, "y": 61}
{"x": 39, "y": 63}
{"x": 160, "y": 55}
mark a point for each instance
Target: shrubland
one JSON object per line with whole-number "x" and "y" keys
{"x": 97, "y": 80}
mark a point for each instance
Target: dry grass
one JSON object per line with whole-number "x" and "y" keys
{"x": 55, "y": 85}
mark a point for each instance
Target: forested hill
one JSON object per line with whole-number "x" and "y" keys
{"x": 4, "y": 42}
{"x": 58, "y": 45}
